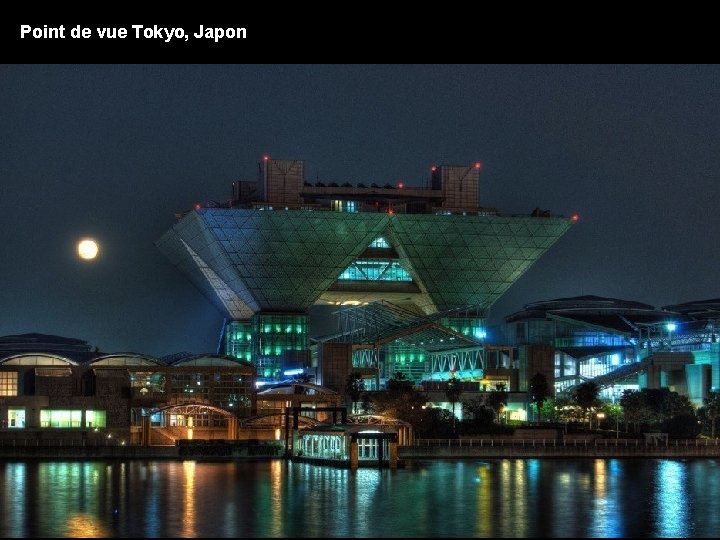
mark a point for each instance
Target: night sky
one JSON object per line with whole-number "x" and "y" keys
{"x": 114, "y": 151}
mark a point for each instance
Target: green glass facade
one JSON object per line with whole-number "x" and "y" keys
{"x": 251, "y": 261}
{"x": 375, "y": 270}
{"x": 274, "y": 343}
{"x": 404, "y": 358}
{"x": 238, "y": 340}
{"x": 471, "y": 327}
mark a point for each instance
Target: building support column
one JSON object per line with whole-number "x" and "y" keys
{"x": 354, "y": 455}
{"x": 232, "y": 429}
{"x": 393, "y": 457}
{"x": 145, "y": 431}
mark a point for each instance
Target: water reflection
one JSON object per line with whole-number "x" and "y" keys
{"x": 493, "y": 498}
{"x": 188, "y": 508}
{"x": 671, "y": 505}
{"x": 484, "y": 498}
{"x": 85, "y": 526}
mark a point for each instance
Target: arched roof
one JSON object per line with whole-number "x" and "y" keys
{"x": 382, "y": 322}
{"x": 190, "y": 409}
{"x": 37, "y": 359}
{"x": 273, "y": 419}
{"x": 290, "y": 388}
{"x": 698, "y": 309}
{"x": 211, "y": 360}
{"x": 375, "y": 419}
{"x": 126, "y": 359}
{"x": 606, "y": 314}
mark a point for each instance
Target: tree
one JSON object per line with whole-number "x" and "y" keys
{"x": 550, "y": 411}
{"x": 666, "y": 404}
{"x": 453, "y": 391}
{"x": 681, "y": 426}
{"x": 497, "y": 400}
{"x": 482, "y": 419}
{"x": 585, "y": 395}
{"x": 366, "y": 403}
{"x": 400, "y": 400}
{"x": 539, "y": 392}
{"x": 654, "y": 406}
{"x": 354, "y": 387}
{"x": 399, "y": 383}
{"x": 433, "y": 422}
{"x": 712, "y": 410}
{"x": 635, "y": 409}
{"x": 614, "y": 413}
{"x": 473, "y": 408}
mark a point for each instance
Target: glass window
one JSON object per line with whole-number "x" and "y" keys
{"x": 147, "y": 381}
{"x": 60, "y": 418}
{"x": 95, "y": 419}
{"x": 338, "y": 205}
{"x": 379, "y": 242}
{"x": 8, "y": 383}
{"x": 182, "y": 384}
{"x": 368, "y": 448}
{"x": 16, "y": 418}
{"x": 232, "y": 390}
{"x": 375, "y": 270}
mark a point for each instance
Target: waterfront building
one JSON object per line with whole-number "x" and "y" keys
{"x": 620, "y": 344}
{"x": 124, "y": 397}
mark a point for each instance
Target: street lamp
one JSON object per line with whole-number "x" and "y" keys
{"x": 670, "y": 327}
{"x": 600, "y": 416}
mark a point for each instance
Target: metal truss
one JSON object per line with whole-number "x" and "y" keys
{"x": 458, "y": 360}
{"x": 366, "y": 358}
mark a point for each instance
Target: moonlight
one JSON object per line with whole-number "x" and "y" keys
{"x": 87, "y": 249}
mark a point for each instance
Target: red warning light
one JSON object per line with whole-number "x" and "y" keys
{"x": 400, "y": 185}
{"x": 197, "y": 206}
{"x": 478, "y": 165}
{"x": 266, "y": 157}
{"x": 390, "y": 211}
{"x": 575, "y": 217}
{"x": 433, "y": 168}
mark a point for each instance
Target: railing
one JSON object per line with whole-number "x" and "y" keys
{"x": 534, "y": 443}
{"x": 20, "y": 443}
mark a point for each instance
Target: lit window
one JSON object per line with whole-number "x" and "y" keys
{"x": 16, "y": 418}
{"x": 375, "y": 270}
{"x": 338, "y": 205}
{"x": 8, "y": 383}
{"x": 50, "y": 418}
{"x": 379, "y": 242}
{"x": 95, "y": 419}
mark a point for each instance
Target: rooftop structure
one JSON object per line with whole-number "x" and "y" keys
{"x": 74, "y": 349}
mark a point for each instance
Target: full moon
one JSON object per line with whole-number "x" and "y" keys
{"x": 87, "y": 249}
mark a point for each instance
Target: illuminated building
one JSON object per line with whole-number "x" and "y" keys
{"x": 118, "y": 398}
{"x": 282, "y": 245}
{"x": 620, "y": 344}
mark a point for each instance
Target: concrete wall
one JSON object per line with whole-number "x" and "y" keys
{"x": 335, "y": 366}
{"x": 699, "y": 381}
